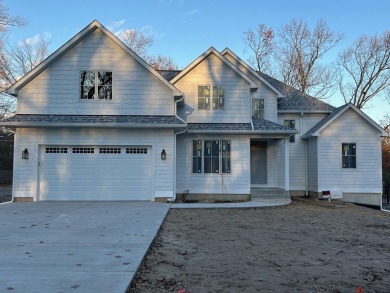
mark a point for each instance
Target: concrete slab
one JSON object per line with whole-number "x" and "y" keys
{"x": 75, "y": 246}
{"x": 247, "y": 204}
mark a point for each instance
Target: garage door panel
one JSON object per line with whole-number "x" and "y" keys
{"x": 95, "y": 174}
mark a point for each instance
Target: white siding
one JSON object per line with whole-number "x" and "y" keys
{"x": 366, "y": 178}
{"x": 56, "y": 90}
{"x": 312, "y": 164}
{"x": 237, "y": 182}
{"x": 212, "y": 71}
{"x": 280, "y": 163}
{"x": 26, "y": 171}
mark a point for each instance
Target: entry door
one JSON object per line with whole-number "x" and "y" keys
{"x": 258, "y": 163}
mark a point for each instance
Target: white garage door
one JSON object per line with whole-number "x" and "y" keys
{"x": 95, "y": 173}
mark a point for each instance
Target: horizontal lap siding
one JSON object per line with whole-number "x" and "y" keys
{"x": 212, "y": 71}
{"x": 350, "y": 128}
{"x": 237, "y": 182}
{"x": 26, "y": 171}
{"x": 56, "y": 90}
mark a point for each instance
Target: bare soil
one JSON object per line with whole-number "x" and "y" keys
{"x": 308, "y": 246}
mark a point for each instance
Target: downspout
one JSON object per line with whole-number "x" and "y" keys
{"x": 173, "y": 198}
{"x": 306, "y": 168}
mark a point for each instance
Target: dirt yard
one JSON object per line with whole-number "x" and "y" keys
{"x": 308, "y": 246}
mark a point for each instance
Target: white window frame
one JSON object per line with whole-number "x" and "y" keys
{"x": 220, "y": 156}
{"x": 292, "y": 137}
{"x": 212, "y": 97}
{"x": 96, "y": 71}
{"x": 356, "y": 157}
{"x": 258, "y": 110}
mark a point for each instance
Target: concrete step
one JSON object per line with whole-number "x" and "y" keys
{"x": 269, "y": 193}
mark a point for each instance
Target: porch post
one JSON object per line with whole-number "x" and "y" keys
{"x": 287, "y": 164}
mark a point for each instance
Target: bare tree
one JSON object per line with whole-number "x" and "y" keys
{"x": 160, "y": 62}
{"x": 7, "y": 20}
{"x": 137, "y": 41}
{"x": 365, "y": 69}
{"x": 299, "y": 53}
{"x": 260, "y": 42}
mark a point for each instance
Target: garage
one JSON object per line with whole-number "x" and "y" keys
{"x": 95, "y": 173}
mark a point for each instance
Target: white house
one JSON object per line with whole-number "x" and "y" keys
{"x": 95, "y": 122}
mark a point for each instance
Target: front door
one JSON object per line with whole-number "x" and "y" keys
{"x": 258, "y": 162}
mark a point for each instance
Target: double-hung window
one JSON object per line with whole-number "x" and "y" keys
{"x": 211, "y": 97}
{"x": 291, "y": 124}
{"x": 258, "y": 108}
{"x": 348, "y": 155}
{"x": 211, "y": 156}
{"x": 96, "y": 85}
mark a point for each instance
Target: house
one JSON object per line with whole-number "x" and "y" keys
{"x": 95, "y": 122}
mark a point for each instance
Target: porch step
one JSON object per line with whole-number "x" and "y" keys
{"x": 269, "y": 193}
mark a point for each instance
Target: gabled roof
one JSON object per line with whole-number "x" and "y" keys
{"x": 204, "y": 56}
{"x": 321, "y": 125}
{"x": 96, "y": 121}
{"x": 295, "y": 100}
{"x": 250, "y": 69}
{"x": 13, "y": 90}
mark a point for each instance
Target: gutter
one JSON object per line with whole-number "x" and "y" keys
{"x": 306, "y": 167}
{"x": 91, "y": 125}
{"x": 245, "y": 131}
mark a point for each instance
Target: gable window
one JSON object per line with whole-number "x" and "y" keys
{"x": 96, "y": 85}
{"x": 291, "y": 124}
{"x": 211, "y": 156}
{"x": 258, "y": 108}
{"x": 348, "y": 155}
{"x": 211, "y": 97}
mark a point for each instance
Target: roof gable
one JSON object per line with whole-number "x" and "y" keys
{"x": 204, "y": 56}
{"x": 13, "y": 90}
{"x": 227, "y": 51}
{"x": 321, "y": 125}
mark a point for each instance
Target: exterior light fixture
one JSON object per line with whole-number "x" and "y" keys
{"x": 25, "y": 154}
{"x": 163, "y": 155}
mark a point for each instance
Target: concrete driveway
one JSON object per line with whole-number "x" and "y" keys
{"x": 75, "y": 246}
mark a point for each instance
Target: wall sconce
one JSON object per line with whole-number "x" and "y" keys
{"x": 163, "y": 155}
{"x": 25, "y": 154}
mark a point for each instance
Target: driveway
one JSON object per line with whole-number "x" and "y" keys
{"x": 75, "y": 246}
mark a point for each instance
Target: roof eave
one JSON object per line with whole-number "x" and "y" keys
{"x": 278, "y": 132}
{"x": 306, "y": 111}
{"x": 88, "y": 125}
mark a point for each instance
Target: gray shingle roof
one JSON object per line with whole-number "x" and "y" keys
{"x": 219, "y": 126}
{"x": 94, "y": 119}
{"x": 262, "y": 124}
{"x": 259, "y": 125}
{"x": 169, "y": 74}
{"x": 295, "y": 100}
{"x": 324, "y": 121}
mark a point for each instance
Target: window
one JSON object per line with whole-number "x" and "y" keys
{"x": 136, "y": 150}
{"x": 258, "y": 108}
{"x": 83, "y": 150}
{"x": 109, "y": 150}
{"x": 208, "y": 156}
{"x": 96, "y": 85}
{"x": 348, "y": 155}
{"x": 291, "y": 124}
{"x": 56, "y": 150}
{"x": 211, "y": 97}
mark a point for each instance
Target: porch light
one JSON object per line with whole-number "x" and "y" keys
{"x": 163, "y": 155}
{"x": 25, "y": 154}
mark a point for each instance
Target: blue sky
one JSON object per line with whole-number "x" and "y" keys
{"x": 184, "y": 29}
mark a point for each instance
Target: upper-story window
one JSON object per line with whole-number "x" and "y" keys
{"x": 211, "y": 97}
{"x": 258, "y": 108}
{"x": 96, "y": 85}
{"x": 291, "y": 124}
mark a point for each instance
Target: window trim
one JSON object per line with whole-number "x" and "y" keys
{"x": 356, "y": 157}
{"x": 253, "y": 116}
{"x": 211, "y": 97}
{"x": 221, "y": 156}
{"x": 292, "y": 137}
{"x": 96, "y": 85}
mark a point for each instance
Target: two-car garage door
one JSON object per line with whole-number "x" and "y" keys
{"x": 95, "y": 173}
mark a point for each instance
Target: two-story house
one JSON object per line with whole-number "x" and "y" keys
{"x": 95, "y": 122}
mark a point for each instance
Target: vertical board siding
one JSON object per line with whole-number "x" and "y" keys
{"x": 312, "y": 164}
{"x": 213, "y": 71}
{"x": 236, "y": 182}
{"x": 136, "y": 91}
{"x": 26, "y": 172}
{"x": 349, "y": 128}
